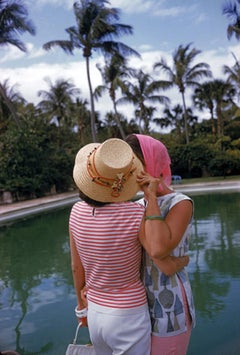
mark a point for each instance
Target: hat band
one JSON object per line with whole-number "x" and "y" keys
{"x": 115, "y": 184}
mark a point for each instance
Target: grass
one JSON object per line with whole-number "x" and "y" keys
{"x": 210, "y": 179}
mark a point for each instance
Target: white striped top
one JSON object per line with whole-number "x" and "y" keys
{"x": 107, "y": 242}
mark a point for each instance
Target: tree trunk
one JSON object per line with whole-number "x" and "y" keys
{"x": 118, "y": 122}
{"x": 185, "y": 119}
{"x": 213, "y": 125}
{"x": 219, "y": 120}
{"x": 93, "y": 118}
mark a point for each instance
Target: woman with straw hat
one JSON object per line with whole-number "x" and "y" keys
{"x": 106, "y": 232}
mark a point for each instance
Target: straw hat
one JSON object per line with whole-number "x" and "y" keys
{"x": 107, "y": 172}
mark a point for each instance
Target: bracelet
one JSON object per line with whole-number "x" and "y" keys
{"x": 154, "y": 217}
{"x": 81, "y": 313}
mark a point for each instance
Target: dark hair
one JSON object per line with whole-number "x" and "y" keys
{"x": 90, "y": 201}
{"x": 133, "y": 141}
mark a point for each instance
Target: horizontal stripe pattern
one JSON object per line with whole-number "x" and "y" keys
{"x": 107, "y": 242}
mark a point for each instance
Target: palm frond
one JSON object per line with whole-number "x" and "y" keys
{"x": 67, "y": 46}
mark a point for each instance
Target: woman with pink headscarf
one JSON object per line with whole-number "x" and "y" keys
{"x": 170, "y": 297}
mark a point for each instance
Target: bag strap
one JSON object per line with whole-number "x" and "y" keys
{"x": 76, "y": 334}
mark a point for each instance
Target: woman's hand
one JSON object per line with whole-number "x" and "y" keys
{"x": 170, "y": 265}
{"x": 83, "y": 321}
{"x": 152, "y": 186}
{"x": 148, "y": 183}
{"x": 83, "y": 294}
{"x": 84, "y": 304}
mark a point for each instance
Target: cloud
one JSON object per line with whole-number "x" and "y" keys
{"x": 30, "y": 79}
{"x": 155, "y": 7}
{"x": 57, "y": 3}
{"x": 200, "y": 18}
{"x": 160, "y": 8}
{"x": 144, "y": 48}
{"x": 11, "y": 53}
{"x": 170, "y": 11}
{"x": 141, "y": 6}
{"x": 219, "y": 57}
{"x": 35, "y": 52}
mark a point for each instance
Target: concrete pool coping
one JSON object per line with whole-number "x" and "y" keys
{"x": 16, "y": 211}
{"x": 19, "y": 210}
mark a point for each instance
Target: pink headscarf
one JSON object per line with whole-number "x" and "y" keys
{"x": 156, "y": 158}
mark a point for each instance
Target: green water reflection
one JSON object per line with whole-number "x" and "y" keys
{"x": 215, "y": 274}
{"x": 37, "y": 296}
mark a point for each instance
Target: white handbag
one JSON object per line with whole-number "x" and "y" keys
{"x": 77, "y": 349}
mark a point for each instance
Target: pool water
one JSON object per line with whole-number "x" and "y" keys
{"x": 37, "y": 297}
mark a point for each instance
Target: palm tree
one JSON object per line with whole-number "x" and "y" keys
{"x": 9, "y": 98}
{"x": 183, "y": 74}
{"x": 172, "y": 118}
{"x": 216, "y": 95}
{"x": 142, "y": 91}
{"x": 233, "y": 74}
{"x": 223, "y": 94}
{"x": 113, "y": 74}
{"x": 203, "y": 97}
{"x": 232, "y": 11}
{"x": 57, "y": 100}
{"x": 110, "y": 126}
{"x": 13, "y": 22}
{"x": 95, "y": 31}
{"x": 80, "y": 117}
{"x": 149, "y": 112}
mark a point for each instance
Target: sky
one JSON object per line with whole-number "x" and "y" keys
{"x": 159, "y": 27}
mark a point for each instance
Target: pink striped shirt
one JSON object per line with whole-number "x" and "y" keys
{"x": 107, "y": 242}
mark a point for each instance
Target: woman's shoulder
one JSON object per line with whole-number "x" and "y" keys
{"x": 135, "y": 205}
{"x": 78, "y": 206}
{"x": 181, "y": 196}
{"x": 173, "y": 198}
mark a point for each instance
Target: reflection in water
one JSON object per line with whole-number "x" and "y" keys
{"x": 215, "y": 273}
{"x": 37, "y": 298}
{"x": 36, "y": 281}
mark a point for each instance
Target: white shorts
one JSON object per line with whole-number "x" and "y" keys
{"x": 115, "y": 331}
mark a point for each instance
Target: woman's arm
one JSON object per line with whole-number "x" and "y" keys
{"x": 78, "y": 276}
{"x": 159, "y": 237}
{"x": 171, "y": 264}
